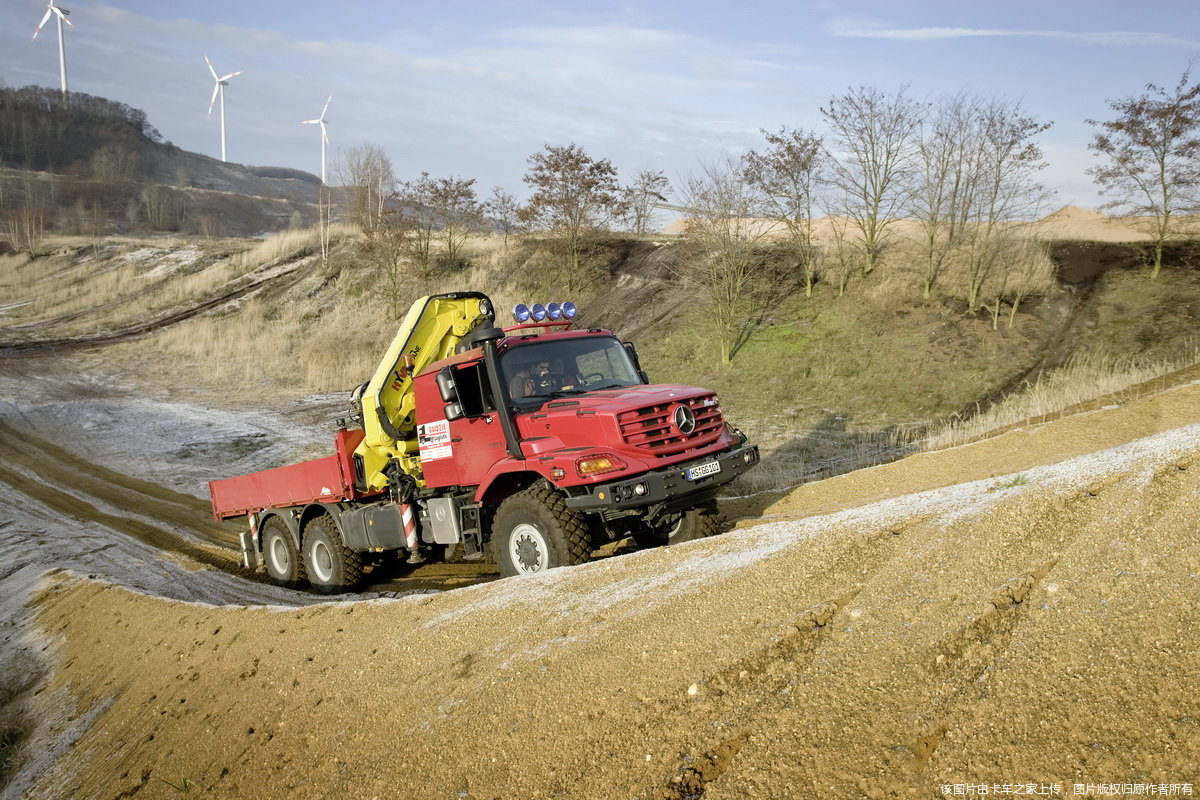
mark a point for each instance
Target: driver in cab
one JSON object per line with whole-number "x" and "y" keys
{"x": 539, "y": 379}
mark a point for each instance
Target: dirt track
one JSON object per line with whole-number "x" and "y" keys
{"x": 1037, "y": 625}
{"x": 273, "y": 276}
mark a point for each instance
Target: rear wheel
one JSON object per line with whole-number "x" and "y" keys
{"x": 695, "y": 523}
{"x": 280, "y": 555}
{"x": 332, "y": 567}
{"x": 534, "y": 531}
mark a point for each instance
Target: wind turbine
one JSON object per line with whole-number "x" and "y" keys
{"x": 61, "y": 13}
{"x": 219, "y": 89}
{"x": 324, "y": 135}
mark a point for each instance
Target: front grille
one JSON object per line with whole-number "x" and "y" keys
{"x": 652, "y": 428}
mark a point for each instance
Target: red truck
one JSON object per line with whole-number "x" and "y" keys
{"x": 538, "y": 441}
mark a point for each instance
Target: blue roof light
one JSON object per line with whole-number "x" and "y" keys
{"x": 539, "y": 312}
{"x": 521, "y": 312}
{"x": 554, "y": 311}
{"x": 568, "y": 310}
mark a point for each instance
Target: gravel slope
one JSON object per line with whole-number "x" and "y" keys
{"x": 1021, "y": 610}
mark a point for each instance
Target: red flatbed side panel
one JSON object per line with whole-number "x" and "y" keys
{"x": 320, "y": 480}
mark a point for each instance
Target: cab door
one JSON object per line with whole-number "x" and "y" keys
{"x": 459, "y": 452}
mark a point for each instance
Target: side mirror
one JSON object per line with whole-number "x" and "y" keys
{"x": 637, "y": 362}
{"x": 454, "y": 411}
{"x": 446, "y": 387}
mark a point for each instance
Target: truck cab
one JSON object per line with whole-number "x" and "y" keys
{"x": 571, "y": 413}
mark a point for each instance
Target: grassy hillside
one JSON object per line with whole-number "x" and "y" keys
{"x": 92, "y": 166}
{"x": 824, "y": 383}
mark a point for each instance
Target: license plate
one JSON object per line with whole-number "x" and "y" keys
{"x": 704, "y": 470}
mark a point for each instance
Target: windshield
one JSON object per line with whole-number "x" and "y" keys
{"x": 555, "y": 368}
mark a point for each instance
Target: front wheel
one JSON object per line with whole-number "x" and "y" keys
{"x": 695, "y": 523}
{"x": 534, "y": 531}
{"x": 332, "y": 567}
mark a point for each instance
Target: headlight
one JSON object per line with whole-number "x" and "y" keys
{"x": 589, "y": 466}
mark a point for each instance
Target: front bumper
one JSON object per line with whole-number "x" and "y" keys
{"x": 669, "y": 486}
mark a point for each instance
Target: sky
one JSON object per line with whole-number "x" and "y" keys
{"x": 473, "y": 88}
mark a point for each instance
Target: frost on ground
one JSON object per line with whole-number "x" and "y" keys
{"x": 174, "y": 445}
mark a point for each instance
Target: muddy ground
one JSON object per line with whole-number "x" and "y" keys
{"x": 1018, "y": 611}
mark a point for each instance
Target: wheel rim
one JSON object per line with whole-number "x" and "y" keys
{"x": 663, "y": 531}
{"x": 322, "y": 561}
{"x": 281, "y": 559}
{"x": 672, "y": 529}
{"x": 527, "y": 549}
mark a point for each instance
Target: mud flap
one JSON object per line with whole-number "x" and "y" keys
{"x": 250, "y": 559}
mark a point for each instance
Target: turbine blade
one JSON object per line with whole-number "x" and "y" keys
{"x": 42, "y": 24}
{"x": 326, "y": 108}
{"x": 210, "y": 69}
{"x": 216, "y": 89}
{"x": 309, "y": 121}
{"x": 231, "y": 75}
{"x": 62, "y": 14}
{"x": 324, "y": 133}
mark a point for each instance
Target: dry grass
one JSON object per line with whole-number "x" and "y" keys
{"x": 1083, "y": 380}
{"x": 263, "y": 349}
{"x": 290, "y": 244}
{"x": 1018, "y": 267}
{"x": 133, "y": 279}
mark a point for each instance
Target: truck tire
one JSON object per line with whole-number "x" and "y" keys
{"x": 695, "y": 523}
{"x": 534, "y": 531}
{"x": 280, "y": 555}
{"x": 332, "y": 567}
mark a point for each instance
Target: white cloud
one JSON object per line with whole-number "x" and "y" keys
{"x": 868, "y": 30}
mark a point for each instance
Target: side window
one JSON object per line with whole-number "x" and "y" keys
{"x": 474, "y": 391}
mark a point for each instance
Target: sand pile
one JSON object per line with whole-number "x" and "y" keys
{"x": 1036, "y": 627}
{"x": 1073, "y": 222}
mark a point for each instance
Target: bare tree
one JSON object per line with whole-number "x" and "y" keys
{"x": 366, "y": 174}
{"x": 1027, "y": 270}
{"x": 1151, "y": 157}
{"x": 787, "y": 175}
{"x": 730, "y": 272}
{"x": 504, "y": 211}
{"x": 24, "y": 211}
{"x": 942, "y": 193}
{"x": 1005, "y": 188}
{"x": 842, "y": 258}
{"x": 456, "y": 212}
{"x": 872, "y": 149}
{"x": 387, "y": 249}
{"x": 976, "y": 162}
{"x": 648, "y": 188}
{"x": 324, "y": 222}
{"x": 415, "y": 200}
{"x": 574, "y": 195}
{"x": 114, "y": 161}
